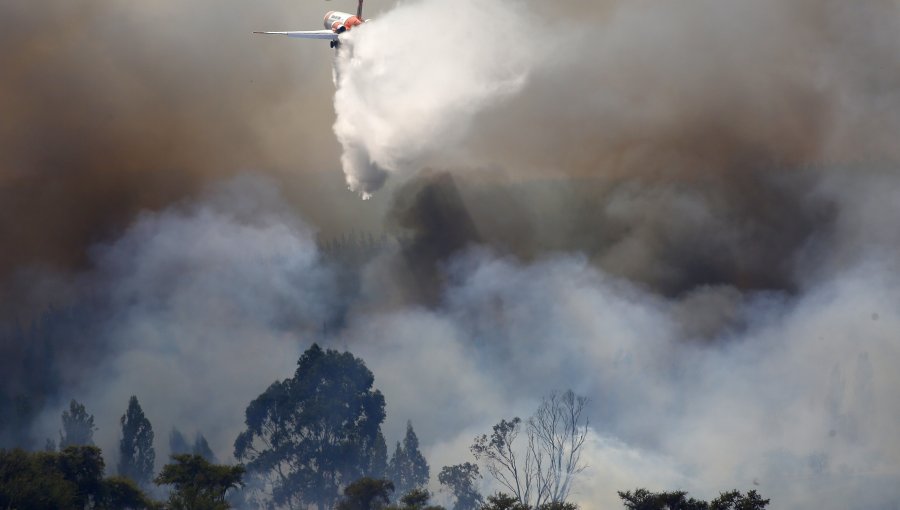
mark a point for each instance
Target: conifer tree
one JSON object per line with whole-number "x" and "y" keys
{"x": 78, "y": 427}
{"x": 408, "y": 468}
{"x": 136, "y": 453}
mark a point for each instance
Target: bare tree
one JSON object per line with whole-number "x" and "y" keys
{"x": 556, "y": 434}
{"x": 544, "y": 472}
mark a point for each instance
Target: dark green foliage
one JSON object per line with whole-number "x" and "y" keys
{"x": 378, "y": 458}
{"x": 502, "y": 501}
{"x": 71, "y": 479}
{"x": 734, "y": 500}
{"x": 416, "y": 499}
{"x": 366, "y": 494}
{"x": 408, "y": 468}
{"x": 83, "y": 466}
{"x": 123, "y": 493}
{"x": 642, "y": 499}
{"x": 34, "y": 481}
{"x": 558, "y": 505}
{"x": 78, "y": 426}
{"x": 309, "y": 435}
{"x": 136, "y": 453}
{"x": 460, "y": 481}
{"x": 197, "y": 484}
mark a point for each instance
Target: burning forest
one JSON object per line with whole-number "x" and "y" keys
{"x": 485, "y": 254}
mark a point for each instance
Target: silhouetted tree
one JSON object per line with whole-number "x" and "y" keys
{"x": 198, "y": 484}
{"x": 70, "y": 479}
{"x": 78, "y": 427}
{"x": 542, "y": 470}
{"x": 201, "y": 448}
{"x": 408, "y": 468}
{"x": 136, "y": 453}
{"x": 558, "y": 505}
{"x": 378, "y": 460}
{"x": 734, "y": 500}
{"x": 642, "y": 499}
{"x": 309, "y": 435}
{"x": 503, "y": 501}
{"x": 460, "y": 480}
{"x": 415, "y": 499}
{"x": 122, "y": 493}
{"x": 366, "y": 494}
{"x": 178, "y": 443}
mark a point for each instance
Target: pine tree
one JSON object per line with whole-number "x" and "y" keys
{"x": 378, "y": 459}
{"x": 201, "y": 448}
{"x": 136, "y": 454}
{"x": 78, "y": 427}
{"x": 178, "y": 443}
{"x": 408, "y": 468}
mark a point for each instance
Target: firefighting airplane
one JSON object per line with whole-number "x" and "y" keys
{"x": 336, "y": 24}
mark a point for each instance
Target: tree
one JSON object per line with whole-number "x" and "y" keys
{"x": 408, "y": 468}
{"x": 366, "y": 494}
{"x": 201, "y": 448}
{"x": 198, "y": 484}
{"x": 558, "y": 505}
{"x": 503, "y": 501}
{"x": 78, "y": 426}
{"x": 178, "y": 443}
{"x": 136, "y": 453}
{"x": 122, "y": 493}
{"x": 71, "y": 479}
{"x": 734, "y": 500}
{"x": 642, "y": 499}
{"x": 543, "y": 470}
{"x": 415, "y": 499}
{"x": 378, "y": 460}
{"x": 460, "y": 480}
{"x": 309, "y": 435}
{"x": 556, "y": 434}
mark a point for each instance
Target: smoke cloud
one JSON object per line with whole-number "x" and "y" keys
{"x": 404, "y": 98}
{"x": 686, "y": 213}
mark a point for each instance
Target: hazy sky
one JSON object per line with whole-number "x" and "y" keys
{"x": 685, "y": 212}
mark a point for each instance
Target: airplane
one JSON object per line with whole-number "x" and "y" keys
{"x": 336, "y": 23}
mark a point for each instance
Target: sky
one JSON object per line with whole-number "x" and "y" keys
{"x": 684, "y": 212}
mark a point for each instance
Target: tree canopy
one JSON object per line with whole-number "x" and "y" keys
{"x": 198, "y": 484}
{"x": 70, "y": 479}
{"x": 314, "y": 433}
{"x": 408, "y": 468}
{"x": 460, "y": 480}
{"x": 643, "y": 499}
{"x": 78, "y": 426}
{"x": 366, "y": 494}
{"x": 136, "y": 453}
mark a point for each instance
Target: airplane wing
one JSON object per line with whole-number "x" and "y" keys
{"x": 306, "y": 34}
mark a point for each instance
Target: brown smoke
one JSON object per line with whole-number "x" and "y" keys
{"x": 112, "y": 108}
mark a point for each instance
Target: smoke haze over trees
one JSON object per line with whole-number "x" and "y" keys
{"x": 685, "y": 212}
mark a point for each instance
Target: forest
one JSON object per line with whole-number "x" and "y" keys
{"x": 315, "y": 441}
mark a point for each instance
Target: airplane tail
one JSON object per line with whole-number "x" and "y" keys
{"x": 359, "y": 10}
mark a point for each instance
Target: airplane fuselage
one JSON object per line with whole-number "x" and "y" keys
{"x": 339, "y": 22}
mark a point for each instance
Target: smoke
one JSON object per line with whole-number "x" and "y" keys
{"x": 686, "y": 213}
{"x": 202, "y": 305}
{"x": 110, "y": 109}
{"x": 410, "y": 85}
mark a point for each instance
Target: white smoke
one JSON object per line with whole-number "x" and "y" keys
{"x": 207, "y": 303}
{"x": 799, "y": 406}
{"x": 410, "y": 82}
